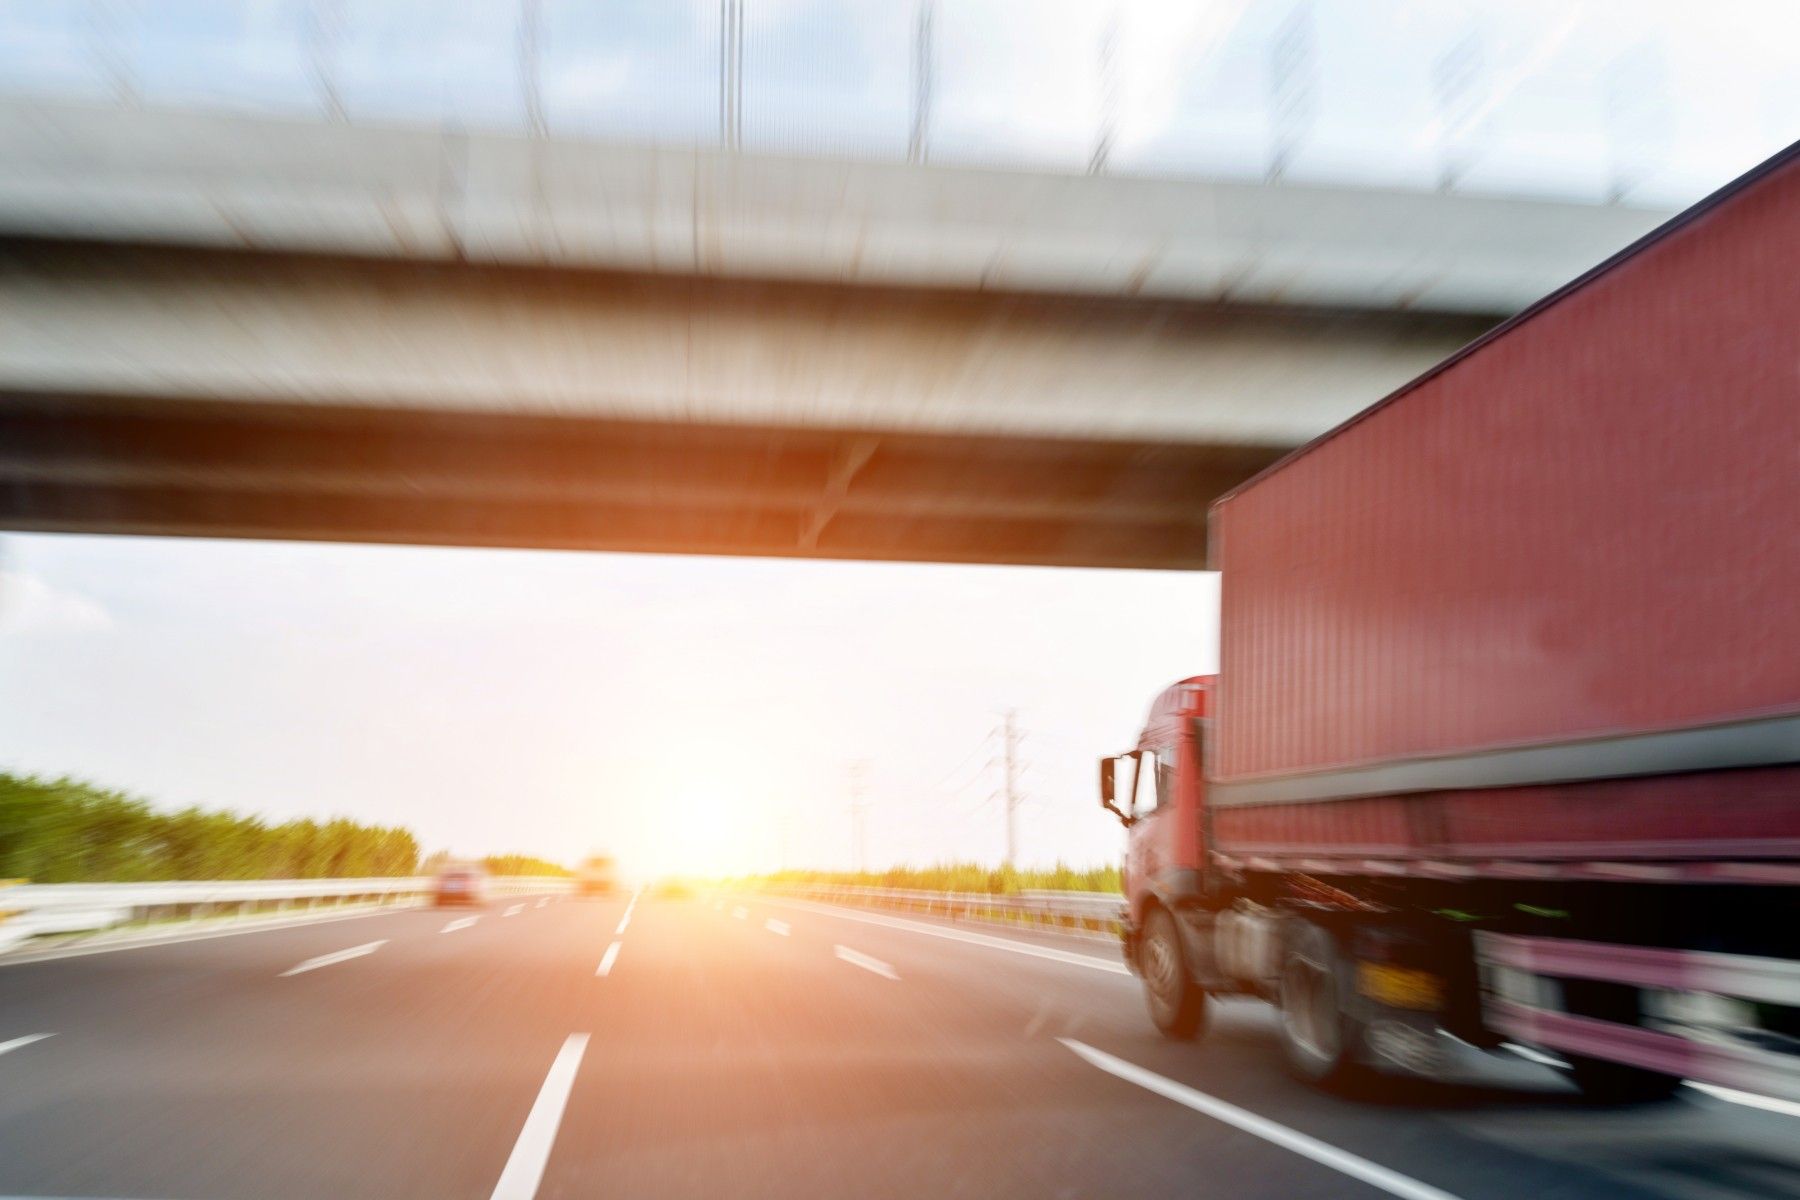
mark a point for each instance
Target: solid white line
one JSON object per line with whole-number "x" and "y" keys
{"x": 1373, "y": 1174}
{"x": 778, "y": 927}
{"x": 514, "y": 911}
{"x": 18, "y": 1042}
{"x": 864, "y": 961}
{"x": 608, "y": 959}
{"x": 624, "y": 923}
{"x": 531, "y": 1153}
{"x": 338, "y": 956}
{"x": 459, "y": 923}
{"x": 974, "y": 939}
{"x": 740, "y": 912}
{"x": 1733, "y": 1096}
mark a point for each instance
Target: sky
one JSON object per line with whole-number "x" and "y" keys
{"x": 685, "y": 714}
{"x": 1654, "y": 100}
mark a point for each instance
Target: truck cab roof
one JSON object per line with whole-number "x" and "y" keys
{"x": 1186, "y": 700}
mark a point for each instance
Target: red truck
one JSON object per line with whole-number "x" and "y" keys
{"x": 1505, "y": 742}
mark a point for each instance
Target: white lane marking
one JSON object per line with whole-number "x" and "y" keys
{"x": 1373, "y": 1174}
{"x": 543, "y": 900}
{"x": 20, "y": 1042}
{"x": 1536, "y": 1056}
{"x": 777, "y": 927}
{"x": 1733, "y": 1096}
{"x": 337, "y": 956}
{"x": 624, "y": 923}
{"x": 740, "y": 912}
{"x": 459, "y": 923}
{"x": 514, "y": 911}
{"x": 974, "y": 939}
{"x": 608, "y": 959}
{"x": 856, "y": 959}
{"x": 531, "y": 1153}
{"x": 1729, "y": 1095}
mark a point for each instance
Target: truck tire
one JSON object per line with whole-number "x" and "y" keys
{"x": 1177, "y": 1004}
{"x": 1320, "y": 1037}
{"x": 1603, "y": 1082}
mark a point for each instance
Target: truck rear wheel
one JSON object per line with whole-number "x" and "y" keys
{"x": 1177, "y": 1004}
{"x": 1603, "y": 1082}
{"x": 1319, "y": 1035}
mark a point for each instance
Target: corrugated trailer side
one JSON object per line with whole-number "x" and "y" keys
{"x": 1517, "y": 605}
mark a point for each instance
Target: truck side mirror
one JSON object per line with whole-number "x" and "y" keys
{"x": 1108, "y": 789}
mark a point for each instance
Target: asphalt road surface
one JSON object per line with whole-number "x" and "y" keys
{"x": 749, "y": 1047}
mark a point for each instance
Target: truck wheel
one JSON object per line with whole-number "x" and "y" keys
{"x": 1318, "y": 1033}
{"x": 1177, "y": 1003}
{"x": 1603, "y": 1082}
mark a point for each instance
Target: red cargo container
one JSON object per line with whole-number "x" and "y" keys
{"x": 1505, "y": 743}
{"x": 1571, "y": 552}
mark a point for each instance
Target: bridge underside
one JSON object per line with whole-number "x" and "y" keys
{"x": 217, "y": 468}
{"x": 169, "y": 391}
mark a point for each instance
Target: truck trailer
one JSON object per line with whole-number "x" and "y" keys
{"x": 1504, "y": 746}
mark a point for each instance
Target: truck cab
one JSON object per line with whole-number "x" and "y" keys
{"x": 1156, "y": 790}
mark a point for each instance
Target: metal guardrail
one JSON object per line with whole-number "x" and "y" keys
{"x": 1093, "y": 914}
{"x": 28, "y": 910}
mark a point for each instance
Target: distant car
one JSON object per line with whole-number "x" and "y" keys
{"x": 460, "y": 884}
{"x": 596, "y": 877}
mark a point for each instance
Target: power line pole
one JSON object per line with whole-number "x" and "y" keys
{"x": 1012, "y": 797}
{"x": 916, "y": 147}
{"x": 731, "y": 73}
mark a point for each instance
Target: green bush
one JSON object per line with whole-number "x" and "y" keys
{"x": 66, "y": 831}
{"x": 522, "y": 864}
{"x": 962, "y": 877}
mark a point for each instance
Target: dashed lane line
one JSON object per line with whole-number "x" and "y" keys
{"x": 608, "y": 959}
{"x": 1774, "y": 1104}
{"x": 459, "y": 923}
{"x": 1752, "y": 1099}
{"x": 1092, "y": 962}
{"x": 780, "y": 928}
{"x": 858, "y": 959}
{"x": 1342, "y": 1161}
{"x": 20, "y": 1043}
{"x": 338, "y": 956}
{"x": 514, "y": 911}
{"x": 531, "y": 1153}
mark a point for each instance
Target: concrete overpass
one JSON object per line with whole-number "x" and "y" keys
{"x": 243, "y": 326}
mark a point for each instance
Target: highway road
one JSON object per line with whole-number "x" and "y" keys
{"x": 748, "y": 1047}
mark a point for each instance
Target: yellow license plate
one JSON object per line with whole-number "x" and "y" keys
{"x": 1400, "y": 987}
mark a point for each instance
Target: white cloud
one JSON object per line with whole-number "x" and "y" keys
{"x": 30, "y": 604}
